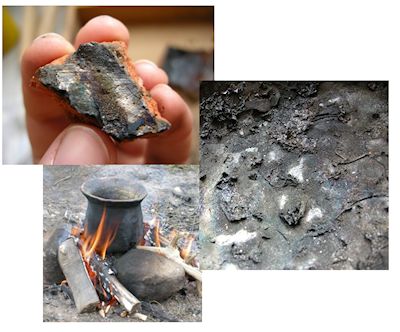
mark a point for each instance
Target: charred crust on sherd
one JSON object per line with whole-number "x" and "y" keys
{"x": 98, "y": 85}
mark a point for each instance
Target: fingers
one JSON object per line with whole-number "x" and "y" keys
{"x": 80, "y": 145}
{"x": 102, "y": 29}
{"x": 173, "y": 146}
{"x": 106, "y": 28}
{"x": 42, "y": 51}
{"x": 151, "y": 76}
{"x": 150, "y": 73}
{"x": 44, "y": 117}
{"x": 129, "y": 158}
{"x": 46, "y": 121}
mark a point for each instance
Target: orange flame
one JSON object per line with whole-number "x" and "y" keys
{"x": 172, "y": 238}
{"x": 76, "y": 231}
{"x": 100, "y": 240}
{"x": 185, "y": 251}
{"x": 157, "y": 233}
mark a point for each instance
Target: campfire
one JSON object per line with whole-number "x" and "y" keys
{"x": 114, "y": 225}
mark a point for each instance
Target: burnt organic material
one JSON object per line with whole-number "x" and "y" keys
{"x": 294, "y": 175}
{"x": 99, "y": 85}
{"x": 119, "y": 200}
{"x": 294, "y": 215}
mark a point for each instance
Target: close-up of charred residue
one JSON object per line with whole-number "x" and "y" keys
{"x": 294, "y": 175}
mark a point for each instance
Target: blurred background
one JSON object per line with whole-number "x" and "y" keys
{"x": 178, "y": 39}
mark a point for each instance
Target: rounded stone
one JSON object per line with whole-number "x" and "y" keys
{"x": 149, "y": 276}
{"x": 52, "y": 272}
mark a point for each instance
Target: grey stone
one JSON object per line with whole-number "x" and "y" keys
{"x": 148, "y": 275}
{"x": 52, "y": 272}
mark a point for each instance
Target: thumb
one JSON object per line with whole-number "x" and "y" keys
{"x": 80, "y": 145}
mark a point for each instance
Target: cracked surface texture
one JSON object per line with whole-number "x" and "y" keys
{"x": 303, "y": 165}
{"x": 100, "y": 86}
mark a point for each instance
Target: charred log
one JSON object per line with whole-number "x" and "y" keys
{"x": 111, "y": 284}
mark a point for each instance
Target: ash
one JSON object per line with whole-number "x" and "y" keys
{"x": 304, "y": 165}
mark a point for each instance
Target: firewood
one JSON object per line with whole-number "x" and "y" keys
{"x": 73, "y": 267}
{"x": 111, "y": 284}
{"x": 173, "y": 254}
{"x": 140, "y": 316}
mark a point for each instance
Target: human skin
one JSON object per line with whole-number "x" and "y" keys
{"x": 57, "y": 141}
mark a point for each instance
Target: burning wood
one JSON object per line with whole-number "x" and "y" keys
{"x": 111, "y": 284}
{"x": 83, "y": 275}
{"x": 100, "y": 240}
{"x": 83, "y": 257}
{"x": 73, "y": 267}
{"x": 107, "y": 284}
{"x": 154, "y": 235}
{"x": 167, "y": 245}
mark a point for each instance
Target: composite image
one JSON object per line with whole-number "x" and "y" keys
{"x": 155, "y": 172}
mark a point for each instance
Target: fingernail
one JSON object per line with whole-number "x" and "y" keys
{"x": 81, "y": 146}
{"x": 146, "y": 62}
{"x": 48, "y": 35}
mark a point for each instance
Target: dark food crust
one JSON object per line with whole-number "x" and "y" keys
{"x": 99, "y": 85}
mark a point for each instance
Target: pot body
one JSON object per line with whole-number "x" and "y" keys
{"x": 117, "y": 201}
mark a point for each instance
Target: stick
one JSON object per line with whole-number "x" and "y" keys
{"x": 157, "y": 312}
{"x": 173, "y": 254}
{"x": 112, "y": 285}
{"x": 61, "y": 180}
{"x": 73, "y": 267}
{"x": 140, "y": 316}
{"x": 354, "y": 160}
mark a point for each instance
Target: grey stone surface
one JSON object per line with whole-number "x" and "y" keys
{"x": 149, "y": 276}
{"x": 52, "y": 272}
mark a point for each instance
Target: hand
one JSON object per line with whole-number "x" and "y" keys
{"x": 56, "y": 141}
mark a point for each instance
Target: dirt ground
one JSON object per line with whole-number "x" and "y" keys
{"x": 177, "y": 208}
{"x": 294, "y": 175}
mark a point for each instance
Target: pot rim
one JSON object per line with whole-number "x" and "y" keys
{"x": 139, "y": 189}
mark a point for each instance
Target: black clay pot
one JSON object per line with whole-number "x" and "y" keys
{"x": 119, "y": 199}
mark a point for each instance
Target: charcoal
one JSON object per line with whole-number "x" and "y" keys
{"x": 98, "y": 85}
{"x": 293, "y": 215}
